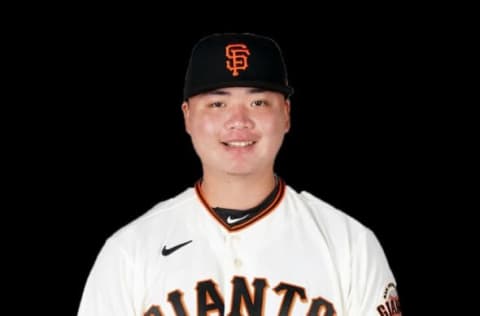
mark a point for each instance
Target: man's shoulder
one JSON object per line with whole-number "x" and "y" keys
{"x": 170, "y": 204}
{"x": 160, "y": 215}
{"x": 323, "y": 212}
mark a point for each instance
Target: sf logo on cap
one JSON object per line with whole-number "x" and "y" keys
{"x": 237, "y": 57}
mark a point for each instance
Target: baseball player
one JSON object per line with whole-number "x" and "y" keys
{"x": 240, "y": 241}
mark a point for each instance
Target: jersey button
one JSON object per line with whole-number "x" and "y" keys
{"x": 238, "y": 263}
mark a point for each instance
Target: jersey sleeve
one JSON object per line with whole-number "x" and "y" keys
{"x": 108, "y": 290}
{"x": 373, "y": 288}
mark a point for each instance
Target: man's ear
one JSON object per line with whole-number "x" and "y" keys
{"x": 186, "y": 115}
{"x": 287, "y": 115}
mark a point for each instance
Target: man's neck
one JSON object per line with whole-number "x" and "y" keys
{"x": 239, "y": 192}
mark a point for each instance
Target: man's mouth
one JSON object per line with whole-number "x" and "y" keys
{"x": 239, "y": 143}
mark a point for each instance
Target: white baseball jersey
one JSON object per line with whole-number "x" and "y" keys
{"x": 298, "y": 256}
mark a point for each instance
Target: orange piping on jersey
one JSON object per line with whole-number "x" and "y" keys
{"x": 266, "y": 211}
{"x": 198, "y": 190}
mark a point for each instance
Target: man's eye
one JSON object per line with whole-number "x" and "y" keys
{"x": 259, "y": 103}
{"x": 217, "y": 104}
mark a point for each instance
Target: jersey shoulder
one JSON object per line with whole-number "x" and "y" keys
{"x": 365, "y": 273}
{"x": 326, "y": 216}
{"x": 157, "y": 218}
{"x": 340, "y": 230}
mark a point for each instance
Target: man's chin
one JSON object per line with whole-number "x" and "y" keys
{"x": 239, "y": 173}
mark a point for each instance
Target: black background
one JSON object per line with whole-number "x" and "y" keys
{"x": 103, "y": 139}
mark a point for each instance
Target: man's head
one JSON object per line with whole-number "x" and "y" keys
{"x": 236, "y": 60}
{"x": 236, "y": 106}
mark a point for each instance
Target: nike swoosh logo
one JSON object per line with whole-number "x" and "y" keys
{"x": 231, "y": 220}
{"x": 166, "y": 251}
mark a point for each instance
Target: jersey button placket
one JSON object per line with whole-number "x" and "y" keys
{"x": 234, "y": 241}
{"x": 237, "y": 262}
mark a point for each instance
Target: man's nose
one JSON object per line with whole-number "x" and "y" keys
{"x": 239, "y": 118}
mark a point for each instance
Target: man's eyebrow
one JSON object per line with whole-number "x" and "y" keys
{"x": 217, "y": 92}
{"x": 256, "y": 90}
{"x": 224, "y": 92}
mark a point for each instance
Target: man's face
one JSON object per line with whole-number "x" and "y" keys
{"x": 237, "y": 130}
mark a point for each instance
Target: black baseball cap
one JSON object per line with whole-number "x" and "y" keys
{"x": 236, "y": 60}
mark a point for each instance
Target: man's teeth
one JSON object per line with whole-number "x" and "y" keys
{"x": 239, "y": 144}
